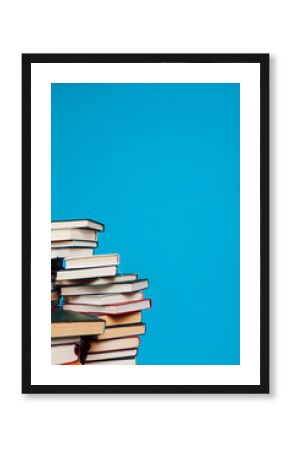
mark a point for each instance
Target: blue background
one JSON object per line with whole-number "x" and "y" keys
{"x": 159, "y": 164}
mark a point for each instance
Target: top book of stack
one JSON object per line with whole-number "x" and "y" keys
{"x": 72, "y": 224}
{"x": 74, "y": 237}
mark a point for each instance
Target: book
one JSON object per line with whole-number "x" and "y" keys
{"x": 103, "y": 300}
{"x": 77, "y": 223}
{"x": 129, "y": 361}
{"x": 67, "y": 323}
{"x": 113, "y": 345}
{"x": 123, "y": 331}
{"x": 110, "y": 309}
{"x": 91, "y": 261}
{"x": 74, "y": 233}
{"x": 64, "y": 252}
{"x": 86, "y": 273}
{"x": 98, "y": 281}
{"x": 56, "y": 264}
{"x": 131, "y": 353}
{"x": 66, "y": 340}
{"x": 113, "y": 288}
{"x": 64, "y": 354}
{"x": 73, "y": 243}
{"x": 122, "y": 319}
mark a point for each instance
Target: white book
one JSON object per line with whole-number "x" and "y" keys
{"x": 65, "y": 252}
{"x": 77, "y": 223}
{"x": 74, "y": 244}
{"x": 66, "y": 340}
{"x": 74, "y": 233}
{"x": 99, "y": 281}
{"x": 86, "y": 273}
{"x": 103, "y": 300}
{"x": 114, "y": 288}
{"x": 140, "y": 305}
{"x": 111, "y": 355}
{"x": 64, "y": 354}
{"x": 91, "y": 261}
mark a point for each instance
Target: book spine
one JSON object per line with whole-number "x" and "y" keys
{"x": 84, "y": 348}
{"x": 57, "y": 264}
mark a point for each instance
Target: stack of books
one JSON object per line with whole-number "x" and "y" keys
{"x": 67, "y": 332}
{"x": 68, "y": 239}
{"x": 90, "y": 286}
{"x": 74, "y": 237}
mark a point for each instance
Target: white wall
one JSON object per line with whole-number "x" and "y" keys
{"x": 205, "y": 422}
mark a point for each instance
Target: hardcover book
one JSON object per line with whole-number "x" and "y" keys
{"x": 71, "y": 234}
{"x": 64, "y": 252}
{"x": 123, "y": 331}
{"x": 121, "y": 354}
{"x": 110, "y": 309}
{"x": 122, "y": 319}
{"x": 73, "y": 243}
{"x": 103, "y": 300}
{"x": 64, "y": 353}
{"x": 113, "y": 288}
{"x": 98, "y": 281}
{"x": 113, "y": 344}
{"x": 67, "y": 323}
{"x": 91, "y": 261}
{"x": 73, "y": 274}
{"x": 77, "y": 223}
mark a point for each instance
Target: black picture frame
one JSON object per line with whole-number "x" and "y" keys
{"x": 27, "y": 60}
